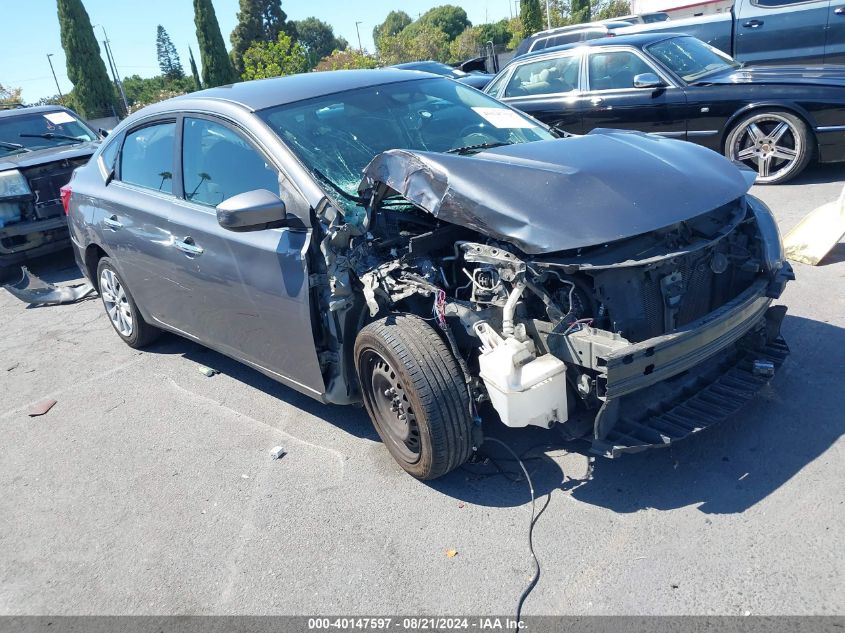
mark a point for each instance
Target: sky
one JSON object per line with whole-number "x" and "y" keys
{"x": 31, "y": 31}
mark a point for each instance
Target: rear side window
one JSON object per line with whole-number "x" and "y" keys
{"x": 147, "y": 157}
{"x": 549, "y": 76}
{"x": 778, "y": 3}
{"x": 218, "y": 163}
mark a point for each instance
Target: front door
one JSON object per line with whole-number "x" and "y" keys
{"x": 834, "y": 50}
{"x": 247, "y": 293}
{"x": 612, "y": 101}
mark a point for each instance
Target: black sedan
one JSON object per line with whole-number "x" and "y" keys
{"x": 772, "y": 119}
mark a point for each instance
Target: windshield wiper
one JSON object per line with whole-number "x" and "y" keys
{"x": 9, "y": 145}
{"x": 468, "y": 149}
{"x": 51, "y": 135}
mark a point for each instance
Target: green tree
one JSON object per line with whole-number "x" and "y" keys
{"x": 274, "y": 59}
{"x": 497, "y": 32}
{"x": 448, "y": 18}
{"x": 318, "y": 39}
{"x": 168, "y": 58}
{"x": 421, "y": 43}
{"x": 142, "y": 91}
{"x": 392, "y": 25}
{"x": 611, "y": 9}
{"x": 216, "y": 66}
{"x": 347, "y": 60}
{"x": 194, "y": 72}
{"x": 581, "y": 11}
{"x": 9, "y": 96}
{"x": 258, "y": 21}
{"x": 467, "y": 45}
{"x": 531, "y": 15}
{"x": 94, "y": 94}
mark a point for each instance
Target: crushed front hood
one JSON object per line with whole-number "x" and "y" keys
{"x": 48, "y": 155}
{"x": 563, "y": 194}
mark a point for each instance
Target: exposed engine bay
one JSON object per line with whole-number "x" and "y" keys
{"x": 561, "y": 337}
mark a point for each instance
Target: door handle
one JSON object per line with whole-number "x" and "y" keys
{"x": 188, "y": 247}
{"x": 753, "y": 24}
{"x": 596, "y": 101}
{"x": 112, "y": 223}
{"x": 839, "y": 10}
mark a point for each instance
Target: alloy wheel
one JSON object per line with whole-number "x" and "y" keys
{"x": 768, "y": 143}
{"x": 116, "y": 302}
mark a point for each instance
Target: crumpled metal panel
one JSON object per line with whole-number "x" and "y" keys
{"x": 31, "y": 289}
{"x": 564, "y": 194}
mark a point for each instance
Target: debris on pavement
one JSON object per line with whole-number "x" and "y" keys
{"x": 817, "y": 234}
{"x": 40, "y": 408}
{"x": 451, "y": 553}
{"x": 277, "y": 452}
{"x": 31, "y": 289}
{"x": 208, "y": 372}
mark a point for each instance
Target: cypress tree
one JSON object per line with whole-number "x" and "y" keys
{"x": 194, "y": 70}
{"x": 531, "y": 15}
{"x": 581, "y": 11}
{"x": 216, "y": 67}
{"x": 258, "y": 21}
{"x": 168, "y": 57}
{"x": 93, "y": 92}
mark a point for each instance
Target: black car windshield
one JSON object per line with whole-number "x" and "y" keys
{"x": 337, "y": 135}
{"x": 690, "y": 58}
{"x": 40, "y": 130}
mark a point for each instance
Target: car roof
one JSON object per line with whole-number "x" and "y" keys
{"x": 18, "y": 111}
{"x": 637, "y": 40}
{"x": 266, "y": 93}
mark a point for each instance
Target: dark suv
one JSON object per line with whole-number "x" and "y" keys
{"x": 39, "y": 149}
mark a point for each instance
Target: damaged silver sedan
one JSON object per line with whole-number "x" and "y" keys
{"x": 406, "y": 242}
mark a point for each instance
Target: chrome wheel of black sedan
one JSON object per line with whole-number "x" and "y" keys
{"x": 772, "y": 119}
{"x": 774, "y": 144}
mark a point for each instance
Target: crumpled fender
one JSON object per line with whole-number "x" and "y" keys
{"x": 568, "y": 193}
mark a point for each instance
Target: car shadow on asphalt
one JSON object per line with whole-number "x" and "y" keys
{"x": 818, "y": 174}
{"x": 350, "y": 419}
{"x": 722, "y": 470}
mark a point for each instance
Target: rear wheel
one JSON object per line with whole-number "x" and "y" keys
{"x": 415, "y": 394}
{"x": 121, "y": 309}
{"x": 777, "y": 145}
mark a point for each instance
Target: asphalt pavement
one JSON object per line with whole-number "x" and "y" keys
{"x": 148, "y": 488}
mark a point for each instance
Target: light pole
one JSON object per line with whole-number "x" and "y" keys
{"x": 113, "y": 66}
{"x": 50, "y": 61}
{"x": 360, "y": 48}
{"x": 548, "y": 16}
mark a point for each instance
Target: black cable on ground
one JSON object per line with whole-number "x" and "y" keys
{"x": 536, "y": 576}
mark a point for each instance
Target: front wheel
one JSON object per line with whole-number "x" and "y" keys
{"x": 777, "y": 145}
{"x": 415, "y": 394}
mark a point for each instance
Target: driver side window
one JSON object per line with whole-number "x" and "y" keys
{"x": 218, "y": 163}
{"x": 615, "y": 70}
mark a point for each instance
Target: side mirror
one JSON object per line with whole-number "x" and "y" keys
{"x": 103, "y": 132}
{"x": 252, "y": 211}
{"x": 648, "y": 80}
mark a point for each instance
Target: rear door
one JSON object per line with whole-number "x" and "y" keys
{"x": 548, "y": 89}
{"x": 834, "y": 50}
{"x": 132, "y": 214}
{"x": 781, "y": 31}
{"x": 612, "y": 101}
{"x": 245, "y": 293}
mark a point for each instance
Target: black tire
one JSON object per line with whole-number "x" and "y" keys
{"x": 140, "y": 333}
{"x": 795, "y": 138}
{"x": 404, "y": 354}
